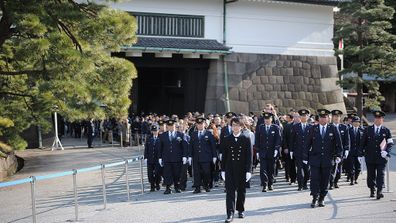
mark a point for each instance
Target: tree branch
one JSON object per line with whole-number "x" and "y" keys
{"x": 20, "y": 72}
{"x": 15, "y": 94}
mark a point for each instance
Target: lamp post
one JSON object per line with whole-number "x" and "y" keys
{"x": 57, "y": 143}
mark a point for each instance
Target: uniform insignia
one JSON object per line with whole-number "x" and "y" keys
{"x": 273, "y": 132}
{"x": 389, "y": 141}
{"x": 178, "y": 139}
{"x": 330, "y": 134}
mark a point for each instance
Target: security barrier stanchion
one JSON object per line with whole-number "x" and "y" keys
{"x": 127, "y": 179}
{"x": 75, "y": 194}
{"x": 141, "y": 174}
{"x": 104, "y": 186}
{"x": 33, "y": 193}
{"x": 121, "y": 142}
{"x": 388, "y": 190}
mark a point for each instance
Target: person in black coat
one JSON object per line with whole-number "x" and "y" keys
{"x": 376, "y": 144}
{"x": 202, "y": 150}
{"x": 353, "y": 162}
{"x": 236, "y": 169}
{"x": 323, "y": 143}
{"x": 290, "y": 166}
{"x": 151, "y": 158}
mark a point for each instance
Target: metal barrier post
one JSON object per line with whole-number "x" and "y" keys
{"x": 75, "y": 194}
{"x": 121, "y": 143}
{"x": 388, "y": 190}
{"x": 33, "y": 193}
{"x": 127, "y": 179}
{"x": 141, "y": 174}
{"x": 130, "y": 139}
{"x": 104, "y": 185}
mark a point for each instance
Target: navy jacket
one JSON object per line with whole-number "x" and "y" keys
{"x": 355, "y": 149}
{"x": 371, "y": 144}
{"x": 172, "y": 151}
{"x": 267, "y": 143}
{"x": 203, "y": 149}
{"x": 151, "y": 150}
{"x": 320, "y": 152}
{"x": 297, "y": 139}
{"x": 344, "y": 129}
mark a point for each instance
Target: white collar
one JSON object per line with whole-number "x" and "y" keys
{"x": 237, "y": 135}
{"x": 376, "y": 127}
{"x": 321, "y": 126}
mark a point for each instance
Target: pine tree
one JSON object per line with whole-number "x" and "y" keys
{"x": 364, "y": 26}
{"x": 57, "y": 53}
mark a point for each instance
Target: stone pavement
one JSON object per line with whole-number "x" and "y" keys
{"x": 284, "y": 204}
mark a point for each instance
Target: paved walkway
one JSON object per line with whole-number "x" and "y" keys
{"x": 284, "y": 204}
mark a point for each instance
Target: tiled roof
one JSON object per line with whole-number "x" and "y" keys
{"x": 180, "y": 43}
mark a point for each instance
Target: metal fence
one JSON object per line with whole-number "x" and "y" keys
{"x": 102, "y": 167}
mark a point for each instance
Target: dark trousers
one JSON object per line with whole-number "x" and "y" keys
{"x": 290, "y": 169}
{"x": 302, "y": 173}
{"x": 267, "y": 167}
{"x": 230, "y": 199}
{"x": 90, "y": 140}
{"x": 202, "y": 174}
{"x": 375, "y": 175}
{"x": 171, "y": 173}
{"x": 183, "y": 176}
{"x": 334, "y": 178}
{"x": 320, "y": 177}
{"x": 352, "y": 167}
{"x": 154, "y": 173}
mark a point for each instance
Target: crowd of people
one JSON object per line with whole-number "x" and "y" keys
{"x": 312, "y": 148}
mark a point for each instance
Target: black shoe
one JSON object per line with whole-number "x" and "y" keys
{"x": 241, "y": 215}
{"x": 157, "y": 187}
{"x": 207, "y": 189}
{"x": 177, "y": 190}
{"x": 351, "y": 183}
{"x": 372, "y": 192}
{"x": 264, "y": 189}
{"x": 230, "y": 218}
{"x": 299, "y": 189}
{"x": 305, "y": 187}
{"x": 197, "y": 191}
{"x": 331, "y": 187}
{"x": 152, "y": 189}
{"x": 321, "y": 201}
{"x": 380, "y": 195}
{"x": 168, "y": 191}
{"x": 336, "y": 186}
{"x": 270, "y": 187}
{"x": 313, "y": 203}
{"x": 356, "y": 182}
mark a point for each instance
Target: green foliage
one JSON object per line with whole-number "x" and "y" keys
{"x": 365, "y": 28}
{"x": 57, "y": 52}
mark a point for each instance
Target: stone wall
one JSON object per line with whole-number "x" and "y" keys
{"x": 286, "y": 81}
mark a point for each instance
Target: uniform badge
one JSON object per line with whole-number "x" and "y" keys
{"x": 273, "y": 132}
{"x": 178, "y": 139}
{"x": 330, "y": 134}
{"x": 384, "y": 135}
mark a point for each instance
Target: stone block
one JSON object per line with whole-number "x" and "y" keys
{"x": 272, "y": 79}
{"x": 243, "y": 95}
{"x": 256, "y": 80}
{"x": 288, "y": 95}
{"x": 233, "y": 94}
{"x": 246, "y": 84}
{"x": 236, "y": 68}
{"x": 328, "y": 71}
{"x": 261, "y": 72}
{"x": 268, "y": 71}
{"x": 257, "y": 95}
{"x": 268, "y": 87}
{"x": 264, "y": 79}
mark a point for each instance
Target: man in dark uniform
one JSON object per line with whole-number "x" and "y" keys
{"x": 202, "y": 149}
{"x": 323, "y": 143}
{"x": 236, "y": 167}
{"x": 344, "y": 133}
{"x": 376, "y": 144}
{"x": 172, "y": 154}
{"x": 353, "y": 162}
{"x": 90, "y": 127}
{"x": 151, "y": 158}
{"x": 268, "y": 139}
{"x": 298, "y": 137}
{"x": 290, "y": 166}
{"x": 227, "y": 130}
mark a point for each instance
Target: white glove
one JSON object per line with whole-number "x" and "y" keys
{"x": 189, "y": 160}
{"x": 305, "y": 162}
{"x": 291, "y": 155}
{"x": 214, "y": 160}
{"x": 220, "y": 157}
{"x": 248, "y": 176}
{"x": 258, "y": 155}
{"x": 384, "y": 154}
{"x": 184, "y": 160}
{"x": 145, "y": 161}
{"x": 223, "y": 175}
{"x": 360, "y": 159}
{"x": 338, "y": 160}
{"x": 346, "y": 153}
{"x": 275, "y": 153}
{"x": 160, "y": 162}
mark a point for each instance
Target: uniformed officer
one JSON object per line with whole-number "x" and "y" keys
{"x": 290, "y": 166}
{"x": 162, "y": 127}
{"x": 151, "y": 158}
{"x": 268, "y": 139}
{"x": 172, "y": 154}
{"x": 297, "y": 142}
{"x": 353, "y": 162}
{"x": 323, "y": 143}
{"x": 343, "y": 130}
{"x": 376, "y": 144}
{"x": 236, "y": 167}
{"x": 202, "y": 149}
